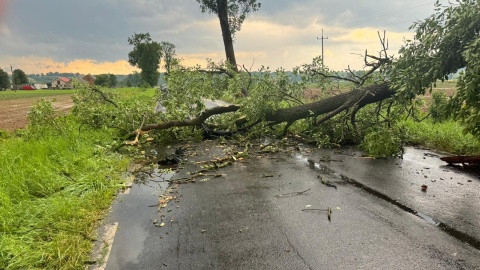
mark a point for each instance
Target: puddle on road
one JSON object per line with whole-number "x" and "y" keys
{"x": 474, "y": 242}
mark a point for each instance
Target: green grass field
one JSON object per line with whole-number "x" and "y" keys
{"x": 19, "y": 94}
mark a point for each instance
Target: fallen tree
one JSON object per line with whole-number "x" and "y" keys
{"x": 330, "y": 106}
{"x": 280, "y": 90}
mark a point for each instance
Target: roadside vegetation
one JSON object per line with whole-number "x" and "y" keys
{"x": 58, "y": 179}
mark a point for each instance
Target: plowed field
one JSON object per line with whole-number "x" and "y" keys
{"x": 13, "y": 113}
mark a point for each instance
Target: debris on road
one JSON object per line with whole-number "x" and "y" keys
{"x": 326, "y": 182}
{"x": 328, "y": 210}
{"x": 463, "y": 160}
{"x": 291, "y": 194}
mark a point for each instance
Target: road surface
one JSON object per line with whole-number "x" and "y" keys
{"x": 270, "y": 211}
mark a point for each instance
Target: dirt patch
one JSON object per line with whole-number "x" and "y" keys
{"x": 13, "y": 113}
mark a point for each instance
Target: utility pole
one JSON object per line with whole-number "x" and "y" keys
{"x": 322, "y": 38}
{"x": 12, "y": 86}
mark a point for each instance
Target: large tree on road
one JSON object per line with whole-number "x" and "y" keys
{"x": 444, "y": 42}
{"x": 146, "y": 55}
{"x": 231, "y": 14}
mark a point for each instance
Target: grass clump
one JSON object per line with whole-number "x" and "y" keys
{"x": 57, "y": 179}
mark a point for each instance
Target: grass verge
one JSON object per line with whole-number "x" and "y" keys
{"x": 54, "y": 189}
{"x": 446, "y": 136}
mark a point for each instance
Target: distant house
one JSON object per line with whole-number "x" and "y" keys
{"x": 90, "y": 79}
{"x": 40, "y": 86}
{"x": 62, "y": 83}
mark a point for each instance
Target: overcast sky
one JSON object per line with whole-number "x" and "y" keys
{"x": 90, "y": 36}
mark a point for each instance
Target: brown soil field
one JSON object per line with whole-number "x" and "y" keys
{"x": 13, "y": 113}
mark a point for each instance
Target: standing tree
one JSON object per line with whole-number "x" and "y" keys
{"x": 4, "y": 80}
{"x": 146, "y": 56}
{"x": 134, "y": 79}
{"x": 106, "y": 80}
{"x": 102, "y": 80}
{"x": 112, "y": 80}
{"x": 19, "y": 77}
{"x": 231, "y": 14}
{"x": 168, "y": 52}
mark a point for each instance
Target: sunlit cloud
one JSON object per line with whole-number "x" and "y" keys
{"x": 37, "y": 65}
{"x": 4, "y": 30}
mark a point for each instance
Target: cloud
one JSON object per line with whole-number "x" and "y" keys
{"x": 282, "y": 33}
{"x": 4, "y": 30}
{"x": 36, "y": 65}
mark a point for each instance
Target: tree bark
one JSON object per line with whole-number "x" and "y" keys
{"x": 222, "y": 13}
{"x": 360, "y": 97}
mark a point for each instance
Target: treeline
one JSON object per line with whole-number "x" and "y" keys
{"x": 107, "y": 79}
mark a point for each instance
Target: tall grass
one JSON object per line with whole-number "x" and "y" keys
{"x": 446, "y": 136}
{"x": 55, "y": 184}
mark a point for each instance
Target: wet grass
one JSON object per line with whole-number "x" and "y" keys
{"x": 54, "y": 189}
{"x": 446, "y": 136}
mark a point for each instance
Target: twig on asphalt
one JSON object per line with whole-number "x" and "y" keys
{"x": 292, "y": 193}
{"x": 191, "y": 179}
{"x": 328, "y": 210}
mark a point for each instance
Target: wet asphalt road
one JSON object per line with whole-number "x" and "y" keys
{"x": 261, "y": 214}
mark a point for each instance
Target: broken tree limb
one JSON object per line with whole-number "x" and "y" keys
{"x": 291, "y": 193}
{"x": 464, "y": 160}
{"x": 194, "y": 121}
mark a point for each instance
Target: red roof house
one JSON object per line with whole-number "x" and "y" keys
{"x": 62, "y": 83}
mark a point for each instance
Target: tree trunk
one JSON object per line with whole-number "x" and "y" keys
{"x": 360, "y": 97}
{"x": 330, "y": 106}
{"x": 222, "y": 6}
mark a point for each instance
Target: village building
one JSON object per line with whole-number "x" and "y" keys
{"x": 62, "y": 83}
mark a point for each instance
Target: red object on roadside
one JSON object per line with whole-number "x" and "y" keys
{"x": 28, "y": 87}
{"x": 424, "y": 188}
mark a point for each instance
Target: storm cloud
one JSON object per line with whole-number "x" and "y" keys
{"x": 282, "y": 33}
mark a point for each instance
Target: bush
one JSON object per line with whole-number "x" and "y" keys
{"x": 382, "y": 142}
